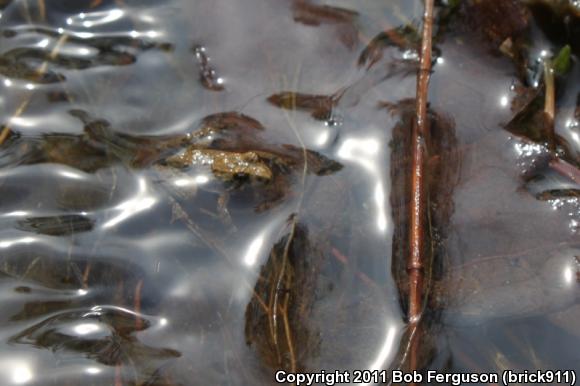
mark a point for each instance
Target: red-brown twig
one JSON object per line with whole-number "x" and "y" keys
{"x": 418, "y": 215}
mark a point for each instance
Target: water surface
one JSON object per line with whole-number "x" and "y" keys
{"x": 128, "y": 261}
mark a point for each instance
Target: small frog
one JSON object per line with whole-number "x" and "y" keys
{"x": 225, "y": 165}
{"x": 230, "y": 144}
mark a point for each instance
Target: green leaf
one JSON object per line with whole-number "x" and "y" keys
{"x": 561, "y": 63}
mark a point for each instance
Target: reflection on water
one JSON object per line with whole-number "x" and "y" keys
{"x": 203, "y": 192}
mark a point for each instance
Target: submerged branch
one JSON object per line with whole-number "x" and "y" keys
{"x": 418, "y": 213}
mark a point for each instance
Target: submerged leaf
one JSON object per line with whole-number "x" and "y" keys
{"x": 312, "y": 14}
{"x": 443, "y": 168}
{"x": 316, "y": 15}
{"x": 319, "y": 106}
{"x": 278, "y": 314}
{"x": 531, "y": 121}
{"x": 57, "y": 225}
{"x": 110, "y": 342}
{"x": 561, "y": 63}
{"x": 43, "y": 66}
{"x": 404, "y": 37}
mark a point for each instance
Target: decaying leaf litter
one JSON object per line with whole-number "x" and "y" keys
{"x": 312, "y": 273}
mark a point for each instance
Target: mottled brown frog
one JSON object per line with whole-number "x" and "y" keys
{"x": 231, "y": 146}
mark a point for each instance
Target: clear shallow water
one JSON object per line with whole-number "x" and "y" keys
{"x": 119, "y": 267}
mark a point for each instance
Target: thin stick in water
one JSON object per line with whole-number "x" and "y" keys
{"x": 418, "y": 212}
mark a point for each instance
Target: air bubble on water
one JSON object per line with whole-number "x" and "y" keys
{"x": 334, "y": 120}
{"x": 410, "y": 55}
